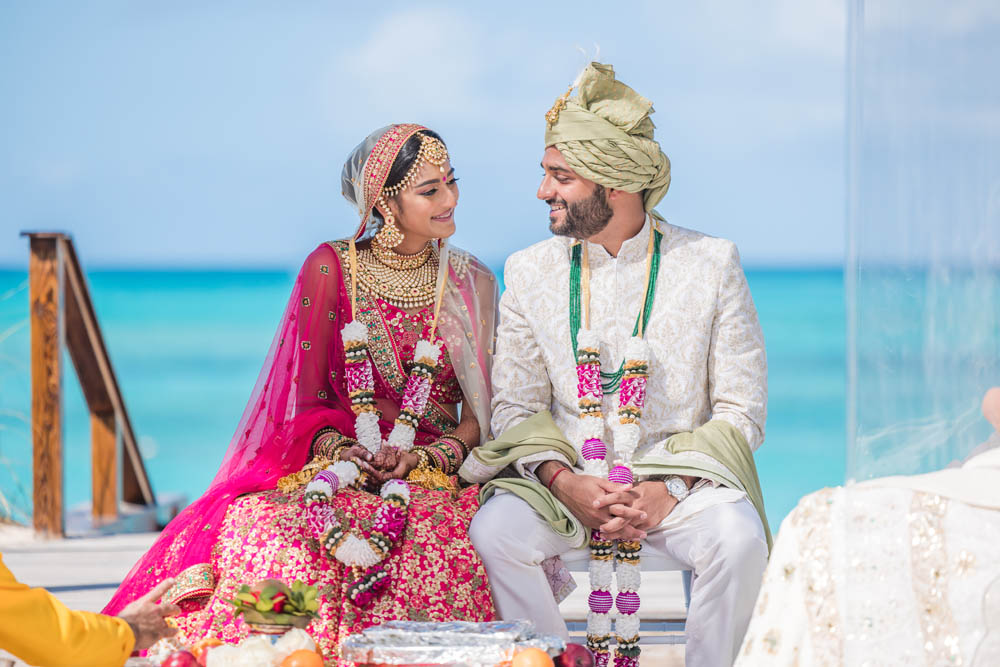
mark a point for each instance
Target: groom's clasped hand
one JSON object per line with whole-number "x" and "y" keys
{"x": 619, "y": 511}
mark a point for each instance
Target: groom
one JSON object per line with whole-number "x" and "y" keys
{"x": 696, "y": 497}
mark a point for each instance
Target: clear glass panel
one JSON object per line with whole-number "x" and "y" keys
{"x": 923, "y": 266}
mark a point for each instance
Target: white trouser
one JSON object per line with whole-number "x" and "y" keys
{"x": 722, "y": 543}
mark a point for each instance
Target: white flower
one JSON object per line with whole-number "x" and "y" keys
{"x": 320, "y": 485}
{"x": 356, "y": 552}
{"x": 629, "y": 577}
{"x": 598, "y": 624}
{"x": 256, "y": 651}
{"x": 636, "y": 349}
{"x": 427, "y": 350}
{"x": 591, "y": 427}
{"x": 224, "y": 656}
{"x": 397, "y": 487}
{"x": 626, "y": 440}
{"x": 294, "y": 640}
{"x": 402, "y": 436}
{"x": 588, "y": 338}
{"x": 627, "y": 625}
{"x": 354, "y": 331}
{"x": 601, "y": 573}
{"x": 346, "y": 471}
{"x": 367, "y": 432}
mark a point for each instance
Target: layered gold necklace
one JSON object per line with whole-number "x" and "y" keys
{"x": 405, "y": 281}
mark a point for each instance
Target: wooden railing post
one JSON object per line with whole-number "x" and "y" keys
{"x": 104, "y": 465}
{"x": 45, "y": 298}
{"x": 61, "y": 307}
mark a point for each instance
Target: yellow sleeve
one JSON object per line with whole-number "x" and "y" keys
{"x": 41, "y": 630}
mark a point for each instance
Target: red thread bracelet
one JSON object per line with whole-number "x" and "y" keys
{"x": 553, "y": 478}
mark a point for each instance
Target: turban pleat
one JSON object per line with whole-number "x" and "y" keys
{"x": 606, "y": 136}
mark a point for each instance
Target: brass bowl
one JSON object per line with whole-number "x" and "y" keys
{"x": 273, "y": 624}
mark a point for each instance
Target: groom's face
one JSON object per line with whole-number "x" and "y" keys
{"x": 578, "y": 208}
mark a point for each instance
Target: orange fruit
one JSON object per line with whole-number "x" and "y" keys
{"x": 201, "y": 646}
{"x": 303, "y": 658}
{"x": 532, "y": 657}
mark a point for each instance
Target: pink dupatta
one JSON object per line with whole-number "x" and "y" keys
{"x": 299, "y": 391}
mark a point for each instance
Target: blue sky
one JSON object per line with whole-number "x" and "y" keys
{"x": 212, "y": 134}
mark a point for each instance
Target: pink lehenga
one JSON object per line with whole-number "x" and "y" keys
{"x": 245, "y": 529}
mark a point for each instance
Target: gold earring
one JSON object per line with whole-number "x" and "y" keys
{"x": 390, "y": 235}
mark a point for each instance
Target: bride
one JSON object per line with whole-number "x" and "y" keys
{"x": 378, "y": 378}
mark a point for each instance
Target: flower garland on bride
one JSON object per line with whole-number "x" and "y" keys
{"x": 365, "y": 554}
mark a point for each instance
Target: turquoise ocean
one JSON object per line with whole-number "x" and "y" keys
{"x": 187, "y": 347}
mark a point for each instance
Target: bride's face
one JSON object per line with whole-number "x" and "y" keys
{"x": 427, "y": 210}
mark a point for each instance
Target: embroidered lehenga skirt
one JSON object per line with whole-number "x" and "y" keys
{"x": 436, "y": 574}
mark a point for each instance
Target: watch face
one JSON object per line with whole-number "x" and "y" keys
{"x": 677, "y": 487}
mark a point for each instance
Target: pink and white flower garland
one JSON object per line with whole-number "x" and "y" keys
{"x": 626, "y": 432}
{"x": 366, "y": 555}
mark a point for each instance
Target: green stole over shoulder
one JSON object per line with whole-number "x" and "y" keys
{"x": 539, "y": 433}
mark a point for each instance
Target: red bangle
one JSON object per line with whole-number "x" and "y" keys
{"x": 553, "y": 478}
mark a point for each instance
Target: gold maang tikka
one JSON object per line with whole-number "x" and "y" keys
{"x": 433, "y": 151}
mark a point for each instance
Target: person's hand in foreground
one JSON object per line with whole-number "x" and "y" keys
{"x": 147, "y": 618}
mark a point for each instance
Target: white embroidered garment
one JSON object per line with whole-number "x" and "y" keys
{"x": 707, "y": 350}
{"x": 874, "y": 574}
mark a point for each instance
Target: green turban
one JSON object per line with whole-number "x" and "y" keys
{"x": 606, "y": 136}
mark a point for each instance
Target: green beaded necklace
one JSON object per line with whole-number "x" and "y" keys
{"x": 611, "y": 381}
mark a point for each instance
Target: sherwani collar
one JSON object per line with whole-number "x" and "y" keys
{"x": 632, "y": 250}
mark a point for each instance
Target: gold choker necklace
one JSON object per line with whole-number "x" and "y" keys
{"x": 403, "y": 288}
{"x": 394, "y": 260}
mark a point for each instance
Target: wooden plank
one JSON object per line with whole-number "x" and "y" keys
{"x": 44, "y": 297}
{"x": 135, "y": 483}
{"x": 79, "y": 334}
{"x": 104, "y": 465}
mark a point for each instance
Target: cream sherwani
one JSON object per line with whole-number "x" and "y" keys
{"x": 707, "y": 362}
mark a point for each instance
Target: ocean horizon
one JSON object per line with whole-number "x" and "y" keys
{"x": 187, "y": 345}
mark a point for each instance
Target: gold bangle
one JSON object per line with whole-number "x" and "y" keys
{"x": 425, "y": 459}
{"x": 452, "y": 436}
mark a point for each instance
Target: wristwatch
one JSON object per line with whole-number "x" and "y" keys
{"x": 677, "y": 487}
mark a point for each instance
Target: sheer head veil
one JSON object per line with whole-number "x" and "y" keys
{"x": 367, "y": 168}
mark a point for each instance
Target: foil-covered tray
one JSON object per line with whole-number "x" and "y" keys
{"x": 451, "y": 644}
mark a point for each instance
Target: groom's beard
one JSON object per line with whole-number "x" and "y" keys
{"x": 583, "y": 218}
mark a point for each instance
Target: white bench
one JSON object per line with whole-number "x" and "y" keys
{"x": 668, "y": 628}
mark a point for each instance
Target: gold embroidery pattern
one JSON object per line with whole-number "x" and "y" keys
{"x": 812, "y": 522}
{"x": 380, "y": 347}
{"x": 436, "y": 574}
{"x": 194, "y": 582}
{"x": 459, "y": 262}
{"x": 929, "y": 573}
